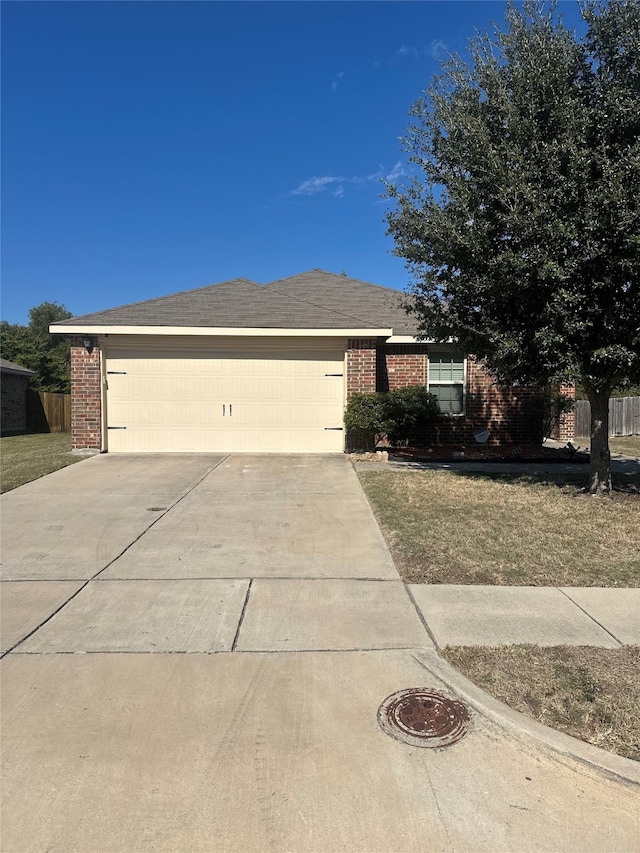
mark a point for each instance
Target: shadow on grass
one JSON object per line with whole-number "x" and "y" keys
{"x": 569, "y": 483}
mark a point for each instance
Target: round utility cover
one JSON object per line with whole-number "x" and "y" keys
{"x": 423, "y": 717}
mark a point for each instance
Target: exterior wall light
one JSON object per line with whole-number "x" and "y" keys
{"x": 88, "y": 344}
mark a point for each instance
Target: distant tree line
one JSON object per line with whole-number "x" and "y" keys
{"x": 32, "y": 346}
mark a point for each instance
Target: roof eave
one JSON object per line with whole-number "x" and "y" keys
{"x": 218, "y": 331}
{"x": 18, "y": 372}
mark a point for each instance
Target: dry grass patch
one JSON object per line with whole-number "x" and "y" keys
{"x": 466, "y": 528}
{"x": 590, "y": 693}
{"x": 27, "y": 457}
{"x": 629, "y": 445}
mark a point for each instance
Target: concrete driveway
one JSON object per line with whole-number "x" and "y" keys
{"x": 197, "y": 647}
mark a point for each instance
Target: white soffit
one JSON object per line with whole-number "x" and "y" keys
{"x": 407, "y": 339}
{"x": 231, "y": 331}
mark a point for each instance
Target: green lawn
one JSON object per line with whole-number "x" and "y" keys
{"x": 464, "y": 527}
{"x": 26, "y": 457}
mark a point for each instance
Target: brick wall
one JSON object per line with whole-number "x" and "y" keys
{"x": 86, "y": 397}
{"x": 14, "y": 403}
{"x": 511, "y": 414}
{"x": 565, "y": 429}
{"x": 361, "y": 365}
{"x": 400, "y": 366}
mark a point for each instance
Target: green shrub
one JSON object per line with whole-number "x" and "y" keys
{"x": 402, "y": 415}
{"x": 363, "y": 419}
{"x": 408, "y": 413}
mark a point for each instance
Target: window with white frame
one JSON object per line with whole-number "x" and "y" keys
{"x": 446, "y": 380}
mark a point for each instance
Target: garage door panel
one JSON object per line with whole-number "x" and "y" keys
{"x": 278, "y": 400}
{"x": 241, "y": 440}
{"x": 163, "y": 415}
{"x": 273, "y": 415}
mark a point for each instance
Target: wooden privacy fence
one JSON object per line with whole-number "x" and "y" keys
{"x": 624, "y": 416}
{"x": 48, "y": 412}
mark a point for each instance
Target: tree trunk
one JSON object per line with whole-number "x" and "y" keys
{"x": 600, "y": 469}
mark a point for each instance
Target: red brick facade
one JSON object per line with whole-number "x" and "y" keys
{"x": 512, "y": 415}
{"x": 13, "y": 410}
{"x": 407, "y": 367}
{"x": 565, "y": 429}
{"x": 361, "y": 365}
{"x": 86, "y": 397}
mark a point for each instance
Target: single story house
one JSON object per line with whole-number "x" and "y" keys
{"x": 14, "y": 380}
{"x": 245, "y": 367}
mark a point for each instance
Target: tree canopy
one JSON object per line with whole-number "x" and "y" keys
{"x": 521, "y": 226}
{"x": 33, "y": 347}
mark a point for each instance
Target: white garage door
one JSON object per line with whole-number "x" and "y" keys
{"x": 225, "y": 396}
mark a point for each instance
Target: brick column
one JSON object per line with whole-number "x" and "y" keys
{"x": 86, "y": 397}
{"x": 565, "y": 429}
{"x": 361, "y": 365}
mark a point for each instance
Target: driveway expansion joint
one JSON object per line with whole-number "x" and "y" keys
{"x": 104, "y": 568}
{"x": 422, "y": 619}
{"x": 593, "y": 619}
{"x": 209, "y": 652}
{"x": 241, "y": 620}
{"x": 156, "y": 520}
{"x": 44, "y": 622}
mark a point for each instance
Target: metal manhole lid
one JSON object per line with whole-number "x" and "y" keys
{"x": 423, "y": 717}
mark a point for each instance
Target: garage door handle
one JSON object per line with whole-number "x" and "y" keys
{"x": 224, "y": 410}
{"x": 334, "y": 374}
{"x": 335, "y": 428}
{"x": 230, "y": 409}
{"x": 120, "y": 372}
{"x": 116, "y": 427}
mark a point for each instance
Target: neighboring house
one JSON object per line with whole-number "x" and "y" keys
{"x": 14, "y": 380}
{"x": 240, "y": 366}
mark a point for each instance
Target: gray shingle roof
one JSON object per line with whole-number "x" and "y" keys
{"x": 12, "y": 367}
{"x": 381, "y": 306}
{"x": 311, "y": 300}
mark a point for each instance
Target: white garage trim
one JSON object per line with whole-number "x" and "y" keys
{"x": 281, "y": 395}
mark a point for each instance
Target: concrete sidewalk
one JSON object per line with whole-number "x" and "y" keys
{"x": 197, "y": 650}
{"x": 457, "y": 615}
{"x": 305, "y": 614}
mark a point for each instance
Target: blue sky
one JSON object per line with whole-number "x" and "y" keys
{"x": 151, "y": 147}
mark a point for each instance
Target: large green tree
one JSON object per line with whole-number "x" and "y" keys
{"x": 33, "y": 347}
{"x": 521, "y": 224}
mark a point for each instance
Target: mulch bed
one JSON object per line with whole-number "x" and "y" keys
{"x": 486, "y": 453}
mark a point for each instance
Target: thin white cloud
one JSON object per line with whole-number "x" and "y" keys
{"x": 397, "y": 172}
{"x": 362, "y": 180}
{"x": 338, "y": 79}
{"x": 337, "y": 185}
{"x": 408, "y": 50}
{"x": 316, "y": 185}
{"x": 436, "y": 49}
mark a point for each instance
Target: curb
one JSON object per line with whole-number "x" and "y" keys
{"x": 615, "y": 767}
